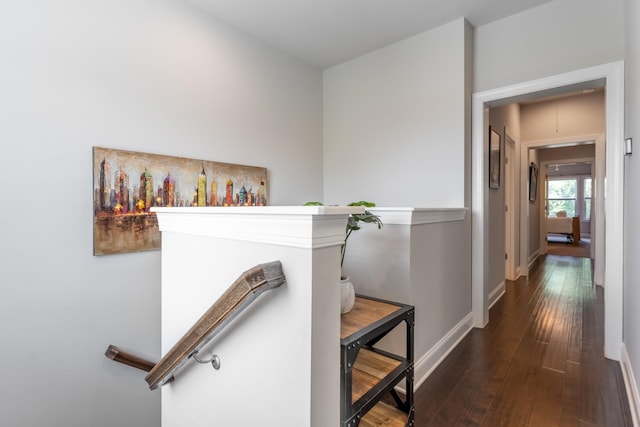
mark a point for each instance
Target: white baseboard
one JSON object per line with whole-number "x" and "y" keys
{"x": 496, "y": 294}
{"x": 427, "y": 363}
{"x": 630, "y": 385}
{"x": 533, "y": 257}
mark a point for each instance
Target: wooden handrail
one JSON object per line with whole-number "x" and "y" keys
{"x": 114, "y": 353}
{"x": 240, "y": 294}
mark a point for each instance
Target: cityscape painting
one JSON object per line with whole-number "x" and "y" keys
{"x": 127, "y": 184}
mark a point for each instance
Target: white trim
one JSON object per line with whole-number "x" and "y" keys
{"x": 479, "y": 209}
{"x": 496, "y": 294}
{"x": 614, "y": 208}
{"x": 532, "y": 258}
{"x": 630, "y": 385}
{"x": 613, "y": 75}
{"x": 424, "y": 366}
{"x": 518, "y": 273}
{"x": 296, "y": 226}
{"x": 414, "y": 216}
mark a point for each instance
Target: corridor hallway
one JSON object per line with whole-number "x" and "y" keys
{"x": 539, "y": 361}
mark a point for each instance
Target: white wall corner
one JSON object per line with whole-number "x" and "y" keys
{"x": 630, "y": 385}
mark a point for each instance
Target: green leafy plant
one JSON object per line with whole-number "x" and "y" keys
{"x": 353, "y": 222}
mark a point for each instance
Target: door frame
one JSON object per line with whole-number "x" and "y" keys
{"x": 611, "y": 76}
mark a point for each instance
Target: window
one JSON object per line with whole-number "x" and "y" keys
{"x": 562, "y": 195}
{"x": 570, "y": 194}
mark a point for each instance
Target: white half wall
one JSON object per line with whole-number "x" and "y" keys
{"x": 280, "y": 358}
{"x": 418, "y": 258}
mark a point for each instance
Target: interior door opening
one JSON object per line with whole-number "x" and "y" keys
{"x": 569, "y": 208}
{"x": 611, "y": 77}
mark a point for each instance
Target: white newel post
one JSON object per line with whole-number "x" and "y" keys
{"x": 280, "y": 357}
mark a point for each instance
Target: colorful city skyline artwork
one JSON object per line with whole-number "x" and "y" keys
{"x": 127, "y": 184}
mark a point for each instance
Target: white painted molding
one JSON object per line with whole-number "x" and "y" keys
{"x": 532, "y": 258}
{"x": 415, "y": 216}
{"x": 296, "y": 226}
{"x": 614, "y": 211}
{"x": 426, "y": 364}
{"x": 630, "y": 385}
{"x": 496, "y": 294}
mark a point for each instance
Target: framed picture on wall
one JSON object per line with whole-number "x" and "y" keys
{"x": 127, "y": 184}
{"x": 533, "y": 182}
{"x": 494, "y": 158}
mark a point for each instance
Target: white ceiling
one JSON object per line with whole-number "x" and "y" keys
{"x": 327, "y": 32}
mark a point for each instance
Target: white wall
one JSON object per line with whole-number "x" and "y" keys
{"x": 145, "y": 76}
{"x": 632, "y": 198}
{"x": 566, "y": 153}
{"x": 397, "y": 132}
{"x": 394, "y": 123}
{"x": 572, "y": 116}
{"x": 568, "y": 169}
{"x": 556, "y": 37}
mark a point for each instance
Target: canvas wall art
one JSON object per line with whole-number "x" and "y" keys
{"x": 127, "y": 184}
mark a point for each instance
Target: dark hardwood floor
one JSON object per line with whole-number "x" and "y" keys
{"x": 539, "y": 361}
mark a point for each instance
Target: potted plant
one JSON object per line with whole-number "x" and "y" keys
{"x": 347, "y": 293}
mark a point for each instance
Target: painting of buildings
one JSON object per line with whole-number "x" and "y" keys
{"x": 127, "y": 184}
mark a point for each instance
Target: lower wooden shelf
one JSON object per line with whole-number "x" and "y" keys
{"x": 383, "y": 415}
{"x": 369, "y": 370}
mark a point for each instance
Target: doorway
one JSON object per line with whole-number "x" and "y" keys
{"x": 569, "y": 194}
{"x": 611, "y": 77}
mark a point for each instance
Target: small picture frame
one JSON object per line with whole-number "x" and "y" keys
{"x": 495, "y": 148}
{"x": 533, "y": 182}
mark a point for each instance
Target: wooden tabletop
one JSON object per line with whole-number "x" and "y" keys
{"x": 365, "y": 312}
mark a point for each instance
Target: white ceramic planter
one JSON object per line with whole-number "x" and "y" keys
{"x": 347, "y": 295}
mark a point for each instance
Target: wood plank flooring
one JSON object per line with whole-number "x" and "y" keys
{"x": 539, "y": 361}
